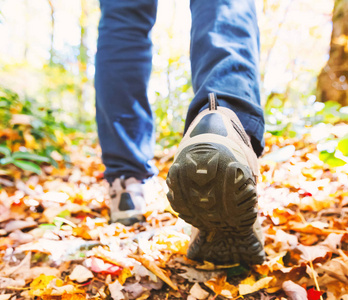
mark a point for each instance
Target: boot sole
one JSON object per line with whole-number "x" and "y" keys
{"x": 215, "y": 193}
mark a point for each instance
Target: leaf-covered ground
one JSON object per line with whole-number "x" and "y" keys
{"x": 56, "y": 241}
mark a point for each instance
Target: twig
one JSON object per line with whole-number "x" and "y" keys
{"x": 340, "y": 251}
{"x": 315, "y": 278}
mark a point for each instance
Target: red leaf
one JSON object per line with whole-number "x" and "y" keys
{"x": 312, "y": 294}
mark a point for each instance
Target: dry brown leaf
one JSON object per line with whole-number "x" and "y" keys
{"x": 6, "y": 282}
{"x": 194, "y": 275}
{"x": 311, "y": 253}
{"x": 21, "y": 237}
{"x": 220, "y": 286}
{"x": 197, "y": 292}
{"x": 19, "y": 224}
{"x": 134, "y": 290}
{"x": 115, "y": 257}
{"x": 81, "y": 274}
{"x": 115, "y": 289}
{"x": 151, "y": 265}
{"x": 336, "y": 268}
{"x": 294, "y": 291}
{"x": 20, "y": 271}
{"x": 307, "y": 228}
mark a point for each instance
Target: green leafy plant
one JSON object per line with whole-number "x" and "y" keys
{"x": 23, "y": 160}
{"x": 26, "y": 123}
{"x": 336, "y": 156}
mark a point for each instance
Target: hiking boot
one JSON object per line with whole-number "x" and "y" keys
{"x": 127, "y": 203}
{"x": 212, "y": 185}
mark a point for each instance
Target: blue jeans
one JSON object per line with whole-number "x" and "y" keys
{"x": 224, "y": 60}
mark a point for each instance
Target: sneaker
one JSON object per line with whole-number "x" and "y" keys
{"x": 127, "y": 203}
{"x": 212, "y": 185}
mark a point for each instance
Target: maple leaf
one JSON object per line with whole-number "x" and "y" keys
{"x": 312, "y": 294}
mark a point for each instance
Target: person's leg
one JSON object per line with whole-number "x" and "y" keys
{"x": 225, "y": 61}
{"x": 212, "y": 182}
{"x": 123, "y": 67}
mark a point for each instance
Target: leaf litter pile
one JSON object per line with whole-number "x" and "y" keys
{"x": 56, "y": 241}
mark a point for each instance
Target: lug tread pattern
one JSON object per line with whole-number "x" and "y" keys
{"x": 214, "y": 192}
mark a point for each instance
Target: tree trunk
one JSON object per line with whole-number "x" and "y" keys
{"x": 333, "y": 79}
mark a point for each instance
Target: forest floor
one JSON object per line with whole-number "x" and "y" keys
{"x": 56, "y": 241}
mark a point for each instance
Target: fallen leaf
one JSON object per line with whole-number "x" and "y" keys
{"x": 246, "y": 288}
{"x": 81, "y": 274}
{"x": 172, "y": 241}
{"x": 134, "y": 290}
{"x": 9, "y": 282}
{"x": 82, "y": 231}
{"x": 37, "y": 271}
{"x": 144, "y": 296}
{"x": 19, "y": 224}
{"x": 73, "y": 297}
{"x": 38, "y": 287}
{"x": 194, "y": 275}
{"x": 294, "y": 291}
{"x": 151, "y": 265}
{"x": 312, "y": 294}
{"x": 125, "y": 273}
{"x": 115, "y": 289}
{"x": 21, "y": 237}
{"x": 220, "y": 286}
{"x": 99, "y": 266}
{"x": 336, "y": 268}
{"x": 310, "y": 253}
{"x": 58, "y": 249}
{"x": 197, "y": 292}
{"x": 116, "y": 257}
{"x": 20, "y": 271}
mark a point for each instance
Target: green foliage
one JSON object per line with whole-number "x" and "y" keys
{"x": 171, "y": 109}
{"x": 343, "y": 145}
{"x": 334, "y": 151}
{"x": 22, "y": 160}
{"x": 28, "y": 126}
{"x": 291, "y": 122}
{"x": 330, "y": 159}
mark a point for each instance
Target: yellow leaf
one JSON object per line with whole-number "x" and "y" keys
{"x": 174, "y": 242}
{"x": 59, "y": 136}
{"x": 125, "y": 273}
{"x": 39, "y": 285}
{"x": 249, "y": 280}
{"x": 249, "y": 285}
{"x": 30, "y": 141}
{"x": 59, "y": 282}
{"x": 220, "y": 287}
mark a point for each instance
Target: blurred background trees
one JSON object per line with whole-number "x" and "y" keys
{"x": 333, "y": 79}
